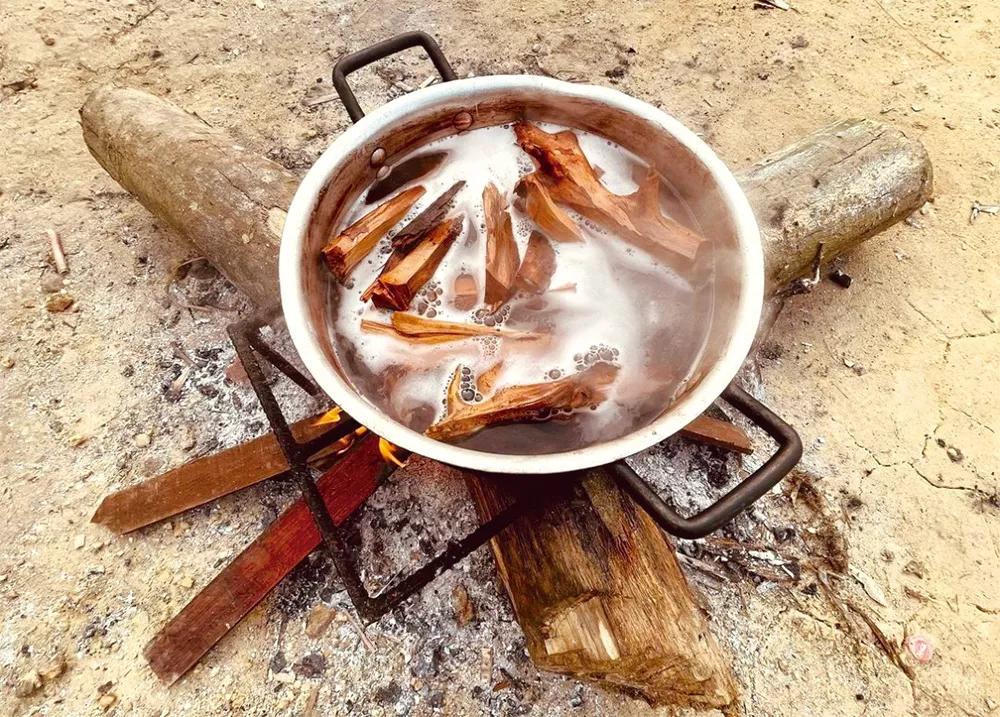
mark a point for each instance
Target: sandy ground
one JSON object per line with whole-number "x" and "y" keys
{"x": 892, "y": 382}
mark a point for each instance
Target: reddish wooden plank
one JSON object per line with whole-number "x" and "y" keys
{"x": 199, "y": 481}
{"x": 705, "y": 429}
{"x": 254, "y": 572}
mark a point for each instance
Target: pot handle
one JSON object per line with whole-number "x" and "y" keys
{"x": 380, "y": 50}
{"x": 739, "y": 498}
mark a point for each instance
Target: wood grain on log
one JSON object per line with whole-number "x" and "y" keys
{"x": 835, "y": 187}
{"x": 599, "y": 595}
{"x": 596, "y": 588}
{"x": 228, "y": 202}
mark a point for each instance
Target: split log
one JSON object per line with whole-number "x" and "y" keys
{"x": 548, "y": 565}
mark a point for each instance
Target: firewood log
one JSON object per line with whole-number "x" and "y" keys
{"x": 595, "y": 586}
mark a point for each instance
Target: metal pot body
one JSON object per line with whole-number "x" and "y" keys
{"x": 345, "y": 169}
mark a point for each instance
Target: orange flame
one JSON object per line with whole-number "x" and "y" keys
{"x": 388, "y": 452}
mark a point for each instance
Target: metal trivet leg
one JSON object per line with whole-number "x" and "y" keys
{"x": 250, "y": 347}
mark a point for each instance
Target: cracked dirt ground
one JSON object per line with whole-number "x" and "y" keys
{"x": 892, "y": 382}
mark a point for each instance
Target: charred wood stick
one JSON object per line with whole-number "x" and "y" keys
{"x": 549, "y": 566}
{"x": 245, "y": 581}
{"x": 713, "y": 432}
{"x": 200, "y": 481}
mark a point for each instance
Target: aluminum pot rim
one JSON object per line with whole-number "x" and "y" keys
{"x": 710, "y": 387}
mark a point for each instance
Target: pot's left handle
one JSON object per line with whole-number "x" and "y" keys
{"x": 356, "y": 60}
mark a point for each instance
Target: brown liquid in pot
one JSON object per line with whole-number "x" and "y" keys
{"x": 608, "y": 301}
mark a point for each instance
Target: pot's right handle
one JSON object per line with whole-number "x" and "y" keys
{"x": 739, "y": 498}
{"x": 356, "y": 60}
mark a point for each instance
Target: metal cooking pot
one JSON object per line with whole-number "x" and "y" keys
{"x": 350, "y": 164}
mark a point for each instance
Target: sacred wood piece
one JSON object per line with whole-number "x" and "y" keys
{"x": 721, "y": 434}
{"x": 416, "y": 325}
{"x": 869, "y": 177}
{"x": 487, "y": 380}
{"x": 200, "y": 481}
{"x": 356, "y": 241}
{"x": 538, "y": 265}
{"x": 254, "y": 572}
{"x": 396, "y": 288}
{"x": 565, "y": 171}
{"x": 534, "y": 200}
{"x": 377, "y": 327}
{"x": 502, "y": 257}
{"x": 530, "y": 402}
{"x": 414, "y": 232}
{"x": 418, "y": 329}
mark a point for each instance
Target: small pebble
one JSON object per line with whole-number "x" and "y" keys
{"x": 52, "y": 283}
{"x": 28, "y": 684}
{"x": 920, "y": 647}
{"x": 55, "y": 668}
{"x": 186, "y": 582}
{"x": 57, "y": 303}
{"x": 48, "y": 40}
{"x": 841, "y": 278}
{"x": 799, "y": 42}
{"x": 142, "y": 440}
{"x": 7, "y": 362}
{"x": 79, "y": 542}
{"x": 107, "y": 700}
